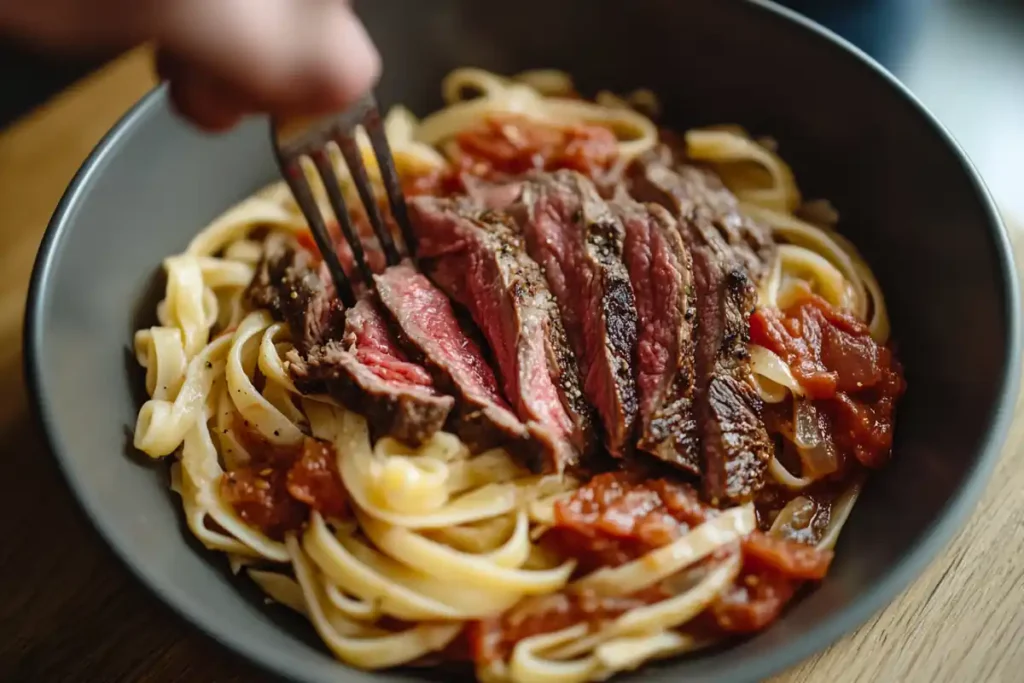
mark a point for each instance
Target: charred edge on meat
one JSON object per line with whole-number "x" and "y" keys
{"x": 528, "y": 285}
{"x": 481, "y": 419}
{"x": 734, "y": 442}
{"x": 460, "y": 238}
{"x": 287, "y": 284}
{"x": 323, "y": 360}
{"x": 410, "y": 415}
{"x": 596, "y": 235}
{"x": 667, "y": 426}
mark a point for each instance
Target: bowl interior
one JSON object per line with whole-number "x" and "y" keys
{"x": 906, "y": 196}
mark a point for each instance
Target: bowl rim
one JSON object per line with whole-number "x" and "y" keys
{"x": 899, "y": 576}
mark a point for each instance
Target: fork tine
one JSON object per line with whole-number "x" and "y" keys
{"x": 322, "y": 161}
{"x": 296, "y": 179}
{"x": 354, "y": 160}
{"x": 382, "y": 150}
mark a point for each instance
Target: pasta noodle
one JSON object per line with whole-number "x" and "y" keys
{"x": 440, "y": 537}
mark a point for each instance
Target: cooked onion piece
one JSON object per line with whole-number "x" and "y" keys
{"x": 817, "y": 453}
{"x": 500, "y": 96}
{"x": 775, "y": 379}
{"x": 794, "y": 520}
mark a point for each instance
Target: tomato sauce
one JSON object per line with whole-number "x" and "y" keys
{"x": 314, "y": 479}
{"x": 509, "y": 145}
{"x": 787, "y": 558}
{"x": 617, "y": 517}
{"x": 773, "y": 571}
{"x": 493, "y": 639}
{"x": 435, "y": 183}
{"x": 513, "y": 145}
{"x": 854, "y": 379}
{"x": 755, "y": 600}
{"x": 260, "y": 497}
{"x": 279, "y": 486}
{"x": 306, "y": 241}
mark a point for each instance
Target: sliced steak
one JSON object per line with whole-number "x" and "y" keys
{"x": 368, "y": 337}
{"x": 351, "y": 355}
{"x": 577, "y": 240}
{"x": 424, "y": 316}
{"x": 749, "y": 240}
{"x": 660, "y": 269}
{"x": 289, "y": 283}
{"x": 477, "y": 257}
{"x": 734, "y": 443}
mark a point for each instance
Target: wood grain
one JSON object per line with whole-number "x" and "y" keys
{"x": 70, "y": 612}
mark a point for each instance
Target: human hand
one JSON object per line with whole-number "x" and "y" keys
{"x": 222, "y": 58}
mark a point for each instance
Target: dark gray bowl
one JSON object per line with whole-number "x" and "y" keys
{"x": 908, "y": 196}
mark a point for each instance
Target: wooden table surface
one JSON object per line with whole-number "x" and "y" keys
{"x": 70, "y": 612}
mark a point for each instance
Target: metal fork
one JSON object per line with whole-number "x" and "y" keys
{"x": 294, "y": 139}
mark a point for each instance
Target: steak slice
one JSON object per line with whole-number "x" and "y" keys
{"x": 368, "y": 337}
{"x": 734, "y": 443}
{"x": 577, "y": 240}
{"x": 351, "y": 355}
{"x": 478, "y": 258}
{"x": 660, "y": 268}
{"x": 368, "y": 373}
{"x": 428, "y": 324}
{"x": 293, "y": 284}
{"x": 750, "y": 241}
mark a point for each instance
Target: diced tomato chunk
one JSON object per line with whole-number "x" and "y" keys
{"x": 315, "y": 481}
{"x": 514, "y": 144}
{"x": 788, "y": 558}
{"x": 615, "y": 518}
{"x": 260, "y": 497}
{"x": 277, "y": 488}
{"x": 753, "y": 602}
{"x": 832, "y": 355}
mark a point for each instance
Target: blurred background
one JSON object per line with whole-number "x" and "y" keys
{"x": 963, "y": 58}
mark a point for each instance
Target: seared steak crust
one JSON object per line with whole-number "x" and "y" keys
{"x": 734, "y": 443}
{"x": 477, "y": 257}
{"x": 424, "y": 316}
{"x": 578, "y": 240}
{"x": 350, "y": 354}
{"x": 661, "y": 270}
{"x": 294, "y": 286}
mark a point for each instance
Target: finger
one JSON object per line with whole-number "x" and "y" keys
{"x": 99, "y": 26}
{"x": 211, "y": 105}
{"x": 285, "y": 55}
